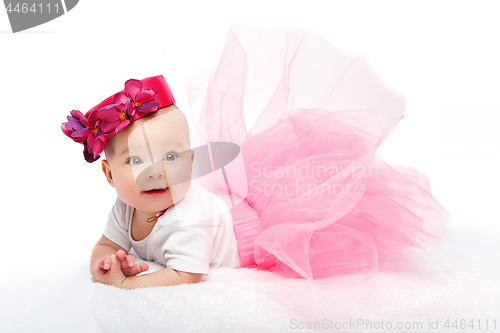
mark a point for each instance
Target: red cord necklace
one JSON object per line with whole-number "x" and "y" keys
{"x": 155, "y": 218}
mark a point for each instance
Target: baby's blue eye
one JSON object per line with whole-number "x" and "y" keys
{"x": 170, "y": 157}
{"x": 135, "y": 161}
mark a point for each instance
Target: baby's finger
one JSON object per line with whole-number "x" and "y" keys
{"x": 121, "y": 255}
{"x": 106, "y": 263}
{"x": 115, "y": 263}
{"x": 139, "y": 269}
{"x": 130, "y": 260}
{"x": 143, "y": 267}
{"x": 97, "y": 270}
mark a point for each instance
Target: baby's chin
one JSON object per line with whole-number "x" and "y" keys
{"x": 153, "y": 208}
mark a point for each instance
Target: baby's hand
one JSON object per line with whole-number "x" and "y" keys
{"x": 113, "y": 276}
{"x": 129, "y": 268}
{"x": 127, "y": 264}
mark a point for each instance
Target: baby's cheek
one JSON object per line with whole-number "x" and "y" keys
{"x": 180, "y": 172}
{"x": 137, "y": 174}
{"x": 179, "y": 191}
{"x": 125, "y": 188}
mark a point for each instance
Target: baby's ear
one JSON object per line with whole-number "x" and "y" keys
{"x": 107, "y": 172}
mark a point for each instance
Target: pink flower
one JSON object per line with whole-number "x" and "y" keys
{"x": 135, "y": 99}
{"x": 86, "y": 131}
{"x": 128, "y": 106}
{"x": 95, "y": 128}
{"x": 114, "y": 117}
{"x": 76, "y": 127}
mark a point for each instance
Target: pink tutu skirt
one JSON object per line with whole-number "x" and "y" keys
{"x": 308, "y": 196}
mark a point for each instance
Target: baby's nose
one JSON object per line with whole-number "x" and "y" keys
{"x": 152, "y": 177}
{"x": 155, "y": 171}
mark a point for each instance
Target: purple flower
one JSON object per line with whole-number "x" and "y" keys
{"x": 95, "y": 128}
{"x": 86, "y": 131}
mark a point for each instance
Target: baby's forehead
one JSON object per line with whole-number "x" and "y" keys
{"x": 169, "y": 126}
{"x": 163, "y": 128}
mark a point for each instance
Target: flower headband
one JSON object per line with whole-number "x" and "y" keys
{"x": 138, "y": 99}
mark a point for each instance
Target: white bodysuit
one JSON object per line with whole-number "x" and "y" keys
{"x": 193, "y": 235}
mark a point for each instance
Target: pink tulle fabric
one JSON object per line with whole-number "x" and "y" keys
{"x": 317, "y": 201}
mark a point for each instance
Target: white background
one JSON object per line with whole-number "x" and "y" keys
{"x": 444, "y": 56}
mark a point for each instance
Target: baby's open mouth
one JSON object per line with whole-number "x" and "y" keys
{"x": 156, "y": 190}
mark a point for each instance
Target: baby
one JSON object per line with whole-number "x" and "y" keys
{"x": 158, "y": 212}
{"x": 288, "y": 181}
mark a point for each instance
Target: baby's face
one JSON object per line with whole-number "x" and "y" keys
{"x": 151, "y": 163}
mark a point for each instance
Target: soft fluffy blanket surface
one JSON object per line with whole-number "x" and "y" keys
{"x": 456, "y": 285}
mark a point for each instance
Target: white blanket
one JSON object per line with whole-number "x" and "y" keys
{"x": 430, "y": 289}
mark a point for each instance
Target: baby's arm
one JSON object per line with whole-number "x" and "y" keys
{"x": 165, "y": 277}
